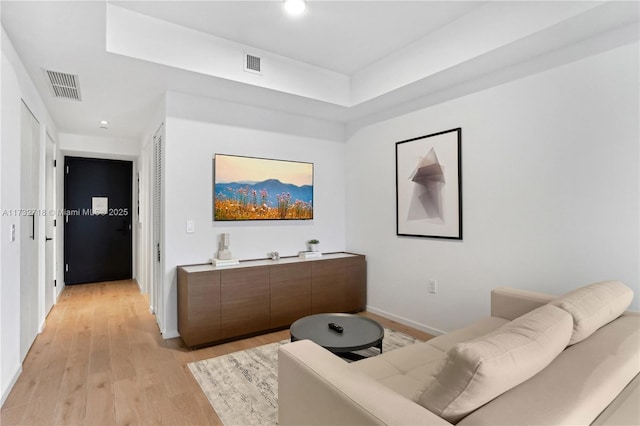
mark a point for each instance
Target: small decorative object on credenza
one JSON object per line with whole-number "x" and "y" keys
{"x": 224, "y": 254}
{"x": 309, "y": 254}
{"x": 313, "y": 244}
{"x": 313, "y": 252}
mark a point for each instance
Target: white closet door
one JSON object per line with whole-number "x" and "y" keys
{"x": 158, "y": 270}
{"x": 29, "y": 236}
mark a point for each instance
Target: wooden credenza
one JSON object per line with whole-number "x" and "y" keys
{"x": 223, "y": 303}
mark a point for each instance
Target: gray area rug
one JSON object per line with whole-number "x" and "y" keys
{"x": 242, "y": 387}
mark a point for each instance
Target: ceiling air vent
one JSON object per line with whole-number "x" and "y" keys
{"x": 252, "y": 64}
{"x": 62, "y": 85}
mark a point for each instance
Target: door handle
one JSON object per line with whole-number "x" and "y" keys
{"x": 125, "y": 228}
{"x": 48, "y": 239}
{"x": 33, "y": 227}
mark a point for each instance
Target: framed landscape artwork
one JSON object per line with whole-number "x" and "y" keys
{"x": 248, "y": 188}
{"x": 429, "y": 186}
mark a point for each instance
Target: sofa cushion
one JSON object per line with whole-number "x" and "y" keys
{"x": 475, "y": 372}
{"x": 593, "y": 306}
{"x": 410, "y": 369}
{"x": 479, "y": 328}
{"x": 407, "y": 370}
{"x": 579, "y": 384}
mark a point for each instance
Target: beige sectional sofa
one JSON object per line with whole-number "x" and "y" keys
{"x": 538, "y": 359}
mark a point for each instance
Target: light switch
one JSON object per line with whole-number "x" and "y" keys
{"x": 190, "y": 227}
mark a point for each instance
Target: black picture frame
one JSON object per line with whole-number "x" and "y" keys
{"x": 429, "y": 186}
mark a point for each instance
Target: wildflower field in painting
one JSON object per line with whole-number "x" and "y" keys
{"x": 238, "y": 196}
{"x": 248, "y": 204}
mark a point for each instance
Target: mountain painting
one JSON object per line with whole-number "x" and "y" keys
{"x": 247, "y": 188}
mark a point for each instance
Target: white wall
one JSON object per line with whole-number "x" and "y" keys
{"x": 2, "y": 225}
{"x": 190, "y": 148}
{"x": 550, "y": 193}
{"x": 16, "y": 86}
{"x": 99, "y": 146}
{"x": 10, "y": 198}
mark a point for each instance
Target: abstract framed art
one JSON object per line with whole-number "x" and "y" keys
{"x": 429, "y": 186}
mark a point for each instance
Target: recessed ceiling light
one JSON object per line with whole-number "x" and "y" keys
{"x": 295, "y": 7}
{"x": 104, "y": 124}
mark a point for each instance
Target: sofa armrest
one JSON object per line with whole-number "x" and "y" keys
{"x": 510, "y": 303}
{"x": 624, "y": 410}
{"x": 315, "y": 387}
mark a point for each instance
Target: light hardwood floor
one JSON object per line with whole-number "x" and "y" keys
{"x": 102, "y": 361}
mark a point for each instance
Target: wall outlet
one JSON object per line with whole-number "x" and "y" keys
{"x": 432, "y": 286}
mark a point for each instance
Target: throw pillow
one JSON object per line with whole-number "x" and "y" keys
{"x": 476, "y": 372}
{"x": 593, "y": 306}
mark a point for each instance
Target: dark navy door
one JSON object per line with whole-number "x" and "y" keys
{"x": 98, "y": 221}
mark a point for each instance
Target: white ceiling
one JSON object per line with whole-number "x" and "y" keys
{"x": 367, "y": 42}
{"x": 339, "y": 36}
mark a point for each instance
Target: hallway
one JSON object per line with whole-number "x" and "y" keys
{"x": 101, "y": 361}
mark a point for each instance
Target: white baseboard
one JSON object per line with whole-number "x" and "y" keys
{"x": 59, "y": 293}
{"x": 170, "y": 334}
{"x": 7, "y": 390}
{"x": 405, "y": 321}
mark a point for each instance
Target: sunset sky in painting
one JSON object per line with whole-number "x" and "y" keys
{"x": 230, "y": 168}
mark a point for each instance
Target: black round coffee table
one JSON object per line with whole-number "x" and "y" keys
{"x": 358, "y": 333}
